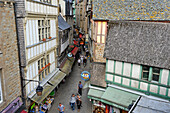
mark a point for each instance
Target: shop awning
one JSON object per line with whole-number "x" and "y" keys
{"x": 66, "y": 67}
{"x": 95, "y": 94}
{"x": 74, "y": 51}
{"x": 149, "y": 105}
{"x": 47, "y": 89}
{"x": 118, "y": 98}
{"x": 62, "y": 24}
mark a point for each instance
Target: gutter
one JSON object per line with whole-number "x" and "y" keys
{"x": 92, "y": 87}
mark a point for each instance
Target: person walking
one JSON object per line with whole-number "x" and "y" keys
{"x": 87, "y": 52}
{"x": 61, "y": 108}
{"x": 84, "y": 61}
{"x": 73, "y": 101}
{"x": 79, "y": 102}
{"x": 80, "y": 86}
{"x": 79, "y": 62}
{"x": 81, "y": 57}
{"x": 79, "y": 53}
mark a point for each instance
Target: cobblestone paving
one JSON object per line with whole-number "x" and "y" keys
{"x": 66, "y": 89}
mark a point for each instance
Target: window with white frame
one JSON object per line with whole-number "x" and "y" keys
{"x": 43, "y": 67}
{"x": 1, "y": 99}
{"x": 43, "y": 29}
{"x": 65, "y": 36}
{"x": 101, "y": 31}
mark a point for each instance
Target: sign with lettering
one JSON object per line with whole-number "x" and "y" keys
{"x": 85, "y": 75}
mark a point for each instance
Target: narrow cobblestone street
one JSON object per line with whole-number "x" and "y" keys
{"x": 66, "y": 89}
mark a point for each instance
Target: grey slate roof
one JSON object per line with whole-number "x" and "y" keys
{"x": 131, "y": 9}
{"x": 146, "y": 43}
{"x": 62, "y": 24}
{"x": 98, "y": 74}
{"x": 146, "y": 105}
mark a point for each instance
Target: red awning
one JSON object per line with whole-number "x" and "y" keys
{"x": 23, "y": 111}
{"x": 74, "y": 51}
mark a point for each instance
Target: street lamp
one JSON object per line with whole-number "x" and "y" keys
{"x": 39, "y": 89}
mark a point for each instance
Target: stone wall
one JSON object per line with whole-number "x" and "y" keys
{"x": 9, "y": 61}
{"x": 98, "y": 53}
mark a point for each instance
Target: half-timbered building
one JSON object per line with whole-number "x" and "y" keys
{"x": 37, "y": 28}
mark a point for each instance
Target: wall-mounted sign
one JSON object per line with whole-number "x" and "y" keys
{"x": 69, "y": 54}
{"x": 85, "y": 75}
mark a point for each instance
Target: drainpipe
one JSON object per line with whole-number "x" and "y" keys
{"x": 20, "y": 65}
{"x": 57, "y": 36}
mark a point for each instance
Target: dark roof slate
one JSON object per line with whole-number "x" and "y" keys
{"x": 131, "y": 9}
{"x": 62, "y": 24}
{"x": 98, "y": 75}
{"x": 146, "y": 43}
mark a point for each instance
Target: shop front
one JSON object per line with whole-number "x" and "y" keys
{"x": 13, "y": 106}
{"x": 43, "y": 103}
{"x": 110, "y": 100}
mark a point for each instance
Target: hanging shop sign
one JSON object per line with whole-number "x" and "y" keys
{"x": 69, "y": 54}
{"x": 85, "y": 75}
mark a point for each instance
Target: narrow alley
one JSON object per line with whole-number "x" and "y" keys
{"x": 66, "y": 89}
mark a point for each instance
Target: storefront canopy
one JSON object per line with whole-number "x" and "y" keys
{"x": 67, "y": 65}
{"x": 118, "y": 98}
{"x": 74, "y": 51}
{"x": 114, "y": 97}
{"x": 47, "y": 89}
{"x": 95, "y": 94}
{"x": 62, "y": 24}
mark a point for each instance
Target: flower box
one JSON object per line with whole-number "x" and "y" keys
{"x": 39, "y": 71}
{"x": 46, "y": 66}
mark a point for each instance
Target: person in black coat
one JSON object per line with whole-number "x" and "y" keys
{"x": 79, "y": 103}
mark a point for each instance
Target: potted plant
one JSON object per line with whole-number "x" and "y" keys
{"x": 50, "y": 37}
{"x": 44, "y": 39}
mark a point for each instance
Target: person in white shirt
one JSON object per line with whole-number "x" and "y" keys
{"x": 79, "y": 61}
{"x": 82, "y": 59}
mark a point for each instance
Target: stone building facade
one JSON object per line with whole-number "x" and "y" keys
{"x": 10, "y": 87}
